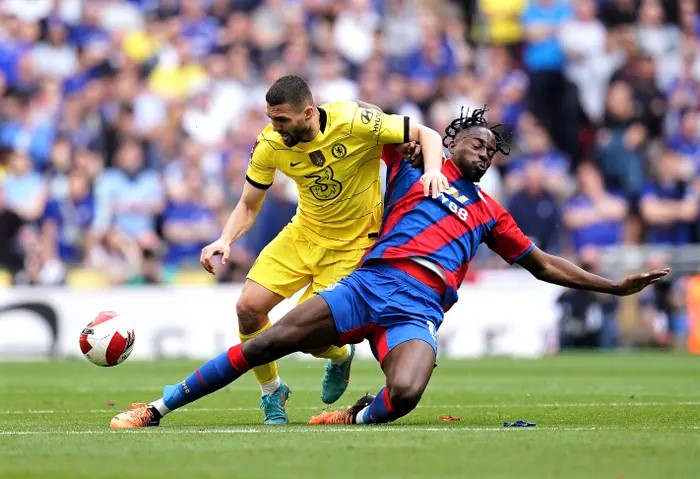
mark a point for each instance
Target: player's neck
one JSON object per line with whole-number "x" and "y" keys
{"x": 314, "y": 127}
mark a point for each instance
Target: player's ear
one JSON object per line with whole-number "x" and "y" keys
{"x": 451, "y": 147}
{"x": 308, "y": 112}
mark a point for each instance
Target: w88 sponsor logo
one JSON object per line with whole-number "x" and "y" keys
{"x": 455, "y": 208}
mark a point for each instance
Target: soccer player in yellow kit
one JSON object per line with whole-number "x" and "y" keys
{"x": 332, "y": 152}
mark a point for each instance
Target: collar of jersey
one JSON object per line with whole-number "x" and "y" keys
{"x": 309, "y": 146}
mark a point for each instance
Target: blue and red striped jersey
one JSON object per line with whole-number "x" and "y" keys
{"x": 446, "y": 230}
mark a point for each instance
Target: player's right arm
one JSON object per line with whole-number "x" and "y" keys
{"x": 238, "y": 223}
{"x": 397, "y": 129}
{"x": 259, "y": 177}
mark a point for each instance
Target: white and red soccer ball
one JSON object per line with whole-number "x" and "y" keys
{"x": 108, "y": 339}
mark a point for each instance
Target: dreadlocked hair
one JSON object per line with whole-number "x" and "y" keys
{"x": 466, "y": 121}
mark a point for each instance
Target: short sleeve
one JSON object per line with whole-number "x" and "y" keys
{"x": 261, "y": 167}
{"x": 506, "y": 238}
{"x": 391, "y": 155}
{"x": 381, "y": 127}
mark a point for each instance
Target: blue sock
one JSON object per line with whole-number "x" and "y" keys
{"x": 380, "y": 410}
{"x": 211, "y": 376}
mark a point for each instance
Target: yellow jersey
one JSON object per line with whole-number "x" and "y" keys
{"x": 337, "y": 173}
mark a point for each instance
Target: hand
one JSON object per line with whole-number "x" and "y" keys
{"x": 412, "y": 152}
{"x": 433, "y": 180}
{"x": 217, "y": 247}
{"x": 637, "y": 282}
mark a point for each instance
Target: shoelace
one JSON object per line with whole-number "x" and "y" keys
{"x": 140, "y": 412}
{"x": 337, "y": 417}
{"x": 266, "y": 402}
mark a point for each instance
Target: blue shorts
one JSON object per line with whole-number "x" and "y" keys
{"x": 385, "y": 306}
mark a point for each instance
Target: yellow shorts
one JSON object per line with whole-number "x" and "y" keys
{"x": 290, "y": 262}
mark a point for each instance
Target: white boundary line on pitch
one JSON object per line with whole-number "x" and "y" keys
{"x": 334, "y": 429}
{"x": 427, "y": 406}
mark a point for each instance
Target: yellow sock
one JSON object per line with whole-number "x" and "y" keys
{"x": 267, "y": 372}
{"x": 336, "y": 354}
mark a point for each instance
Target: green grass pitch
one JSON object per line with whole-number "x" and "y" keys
{"x": 617, "y": 416}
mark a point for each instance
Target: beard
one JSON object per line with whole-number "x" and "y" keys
{"x": 289, "y": 139}
{"x": 293, "y": 137}
{"x": 471, "y": 172}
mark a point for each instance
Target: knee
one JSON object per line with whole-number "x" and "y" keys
{"x": 251, "y": 315}
{"x": 405, "y": 395}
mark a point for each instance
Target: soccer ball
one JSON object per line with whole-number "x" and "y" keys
{"x": 107, "y": 340}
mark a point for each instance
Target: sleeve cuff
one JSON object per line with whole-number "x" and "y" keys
{"x": 523, "y": 254}
{"x": 260, "y": 186}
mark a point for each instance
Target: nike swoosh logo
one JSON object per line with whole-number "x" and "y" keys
{"x": 295, "y": 164}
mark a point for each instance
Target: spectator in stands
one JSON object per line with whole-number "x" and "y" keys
{"x": 270, "y": 27}
{"x": 669, "y": 203}
{"x": 589, "y": 60}
{"x": 25, "y": 131}
{"x": 67, "y": 219}
{"x": 395, "y": 98}
{"x": 535, "y": 209}
{"x": 354, "y": 32}
{"x": 59, "y": 168}
{"x": 89, "y": 30}
{"x": 197, "y": 27}
{"x": 650, "y": 102}
{"x": 683, "y": 91}
{"x": 129, "y": 197}
{"x": 594, "y": 216}
{"x": 215, "y": 105}
{"x": 43, "y": 266}
{"x": 587, "y": 319}
{"x": 662, "y": 308}
{"x": 617, "y": 14}
{"x": 116, "y": 256}
{"x": 55, "y": 57}
{"x": 508, "y": 85}
{"x": 501, "y": 18}
{"x": 401, "y": 31}
{"x": 432, "y": 63}
{"x": 545, "y": 61}
{"x": 11, "y": 252}
{"x": 686, "y": 141}
{"x": 620, "y": 142}
{"x": 189, "y": 223}
{"x": 178, "y": 72}
{"x": 332, "y": 82}
{"x": 537, "y": 147}
{"x": 24, "y": 189}
{"x": 193, "y": 155}
{"x": 656, "y": 37}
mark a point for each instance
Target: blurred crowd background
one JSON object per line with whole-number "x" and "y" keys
{"x": 125, "y": 125}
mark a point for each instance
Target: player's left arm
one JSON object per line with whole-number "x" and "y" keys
{"x": 508, "y": 240}
{"x": 557, "y": 270}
